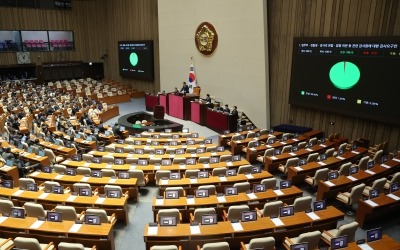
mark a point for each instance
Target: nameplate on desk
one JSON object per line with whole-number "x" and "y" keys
{"x": 100, "y": 200}
{"x": 206, "y": 165}
{"x": 86, "y": 164}
{"x": 237, "y": 226}
{"x": 313, "y": 216}
{"x": 273, "y": 158}
{"x": 323, "y": 145}
{"x": 165, "y": 146}
{"x": 321, "y": 163}
{"x": 112, "y": 180}
{"x": 190, "y": 201}
{"x": 213, "y": 153}
{"x": 238, "y": 141}
{"x": 229, "y": 163}
{"x": 36, "y": 224}
{"x": 193, "y": 180}
{"x": 369, "y": 172}
{"x": 278, "y": 192}
{"x": 171, "y": 155}
{"x": 283, "y": 143}
{"x": 268, "y": 146}
{"x": 193, "y": 155}
{"x": 292, "y": 154}
{"x": 394, "y": 197}
{"x": 396, "y": 159}
{"x": 329, "y": 183}
{"x": 182, "y": 166}
{"x": 294, "y": 139}
{"x": 249, "y": 176}
{"x": 91, "y": 152}
{"x": 110, "y": 154}
{"x": 184, "y": 146}
{"x": 298, "y": 168}
{"x": 340, "y": 158}
{"x": 59, "y": 176}
{"x": 132, "y": 167}
{"x": 252, "y": 196}
{"x": 355, "y": 152}
{"x": 221, "y": 199}
{"x": 157, "y": 167}
{"x": 309, "y": 149}
{"x": 351, "y": 178}
{"x": 252, "y": 149}
{"x": 18, "y": 193}
{"x": 66, "y": 162}
{"x": 195, "y": 230}
{"x": 159, "y": 202}
{"x": 5, "y": 168}
{"x": 371, "y": 203}
{"x": 223, "y": 178}
{"x": 35, "y": 173}
{"x": 365, "y": 246}
{"x": 43, "y": 196}
{"x": 85, "y": 179}
{"x": 278, "y": 222}
{"x": 75, "y": 228}
{"x": 163, "y": 182}
{"x": 385, "y": 166}
{"x": 72, "y": 197}
{"x": 60, "y": 148}
{"x": 148, "y": 140}
{"x": 2, "y": 219}
{"x": 152, "y": 230}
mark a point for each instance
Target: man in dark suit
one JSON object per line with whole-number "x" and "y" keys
{"x": 185, "y": 88}
{"x": 226, "y": 109}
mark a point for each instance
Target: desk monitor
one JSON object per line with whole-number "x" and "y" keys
{"x": 166, "y": 162}
{"x": 209, "y": 219}
{"x": 137, "y": 143}
{"x": 97, "y": 173}
{"x": 175, "y": 136}
{"x": 322, "y": 157}
{"x": 256, "y": 144}
{"x": 302, "y": 162}
{"x": 220, "y": 149}
{"x": 225, "y": 132}
{"x": 119, "y": 150}
{"x": 319, "y": 205}
{"x": 46, "y": 139}
{"x": 47, "y": 169}
{"x": 374, "y": 234}
{"x": 286, "y": 211}
{"x": 295, "y": 148}
{"x": 96, "y": 159}
{"x": 296, "y": 135}
{"x": 214, "y": 159}
{"x": 32, "y": 187}
{"x": 121, "y": 128}
{"x": 185, "y": 130}
{"x": 179, "y": 151}
{"x": 143, "y": 162}
{"x": 339, "y": 242}
{"x": 57, "y": 189}
{"x": 156, "y": 136}
{"x": 76, "y": 157}
{"x": 173, "y": 143}
{"x": 138, "y": 135}
{"x": 201, "y": 193}
{"x": 231, "y": 191}
{"x": 240, "y": 129}
{"x": 151, "y": 130}
{"x": 8, "y": 184}
{"x": 256, "y": 169}
{"x": 171, "y": 194}
{"x": 299, "y": 246}
{"x": 248, "y": 216}
{"x": 92, "y": 219}
{"x": 70, "y": 171}
{"x": 155, "y": 143}
{"x": 159, "y": 151}
{"x": 285, "y": 184}
{"x": 333, "y": 175}
{"x": 168, "y": 130}
{"x": 191, "y": 161}
{"x": 89, "y": 138}
{"x": 277, "y": 152}
{"x": 373, "y": 193}
{"x": 271, "y": 141}
{"x": 123, "y": 175}
{"x": 353, "y": 170}
{"x": 190, "y": 142}
{"x": 202, "y": 174}
{"x": 100, "y": 148}
{"x": 139, "y": 151}
{"x": 384, "y": 158}
{"x": 394, "y": 187}
{"x": 354, "y": 146}
{"x": 257, "y": 188}
{"x": 195, "y": 135}
{"x": 175, "y": 176}
{"x": 340, "y": 152}
{"x": 20, "y": 146}
{"x": 120, "y": 141}
{"x": 284, "y": 138}
{"x": 231, "y": 172}
{"x": 41, "y": 153}
{"x": 119, "y": 161}
{"x": 54, "y": 216}
{"x": 167, "y": 221}
{"x": 85, "y": 192}
{"x": 236, "y": 158}
{"x": 258, "y": 134}
{"x": 16, "y": 212}
{"x": 113, "y": 193}
{"x": 200, "y": 150}
{"x": 208, "y": 141}
{"x": 10, "y": 162}
{"x": 68, "y": 144}
{"x": 30, "y": 150}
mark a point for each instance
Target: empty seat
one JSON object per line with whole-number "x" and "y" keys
{"x": 179, "y": 160}
{"x": 83, "y": 171}
{"x": 211, "y": 189}
{"x": 162, "y": 174}
{"x": 244, "y": 169}
{"x": 395, "y": 178}
{"x": 377, "y": 184}
{"x": 58, "y": 168}
{"x": 25, "y": 181}
{"x": 73, "y": 246}
{"x": 108, "y": 172}
{"x": 348, "y": 229}
{"x": 104, "y": 218}
{"x": 269, "y": 183}
{"x": 34, "y": 210}
{"x": 289, "y": 163}
{"x": 302, "y": 203}
{"x": 198, "y": 212}
{"x": 287, "y": 149}
{"x": 344, "y": 168}
{"x": 107, "y": 159}
{"x": 215, "y": 246}
{"x": 69, "y": 213}
{"x": 242, "y": 187}
{"x": 191, "y": 173}
{"x": 349, "y": 198}
{"x": 312, "y": 238}
{"x": 219, "y": 171}
{"x": 266, "y": 243}
{"x": 171, "y": 212}
{"x": 234, "y": 212}
{"x": 181, "y": 191}
{"x": 31, "y": 244}
{"x": 142, "y": 179}
{"x": 320, "y": 175}
{"x": 270, "y": 208}
{"x": 48, "y": 185}
{"x": 87, "y": 157}
{"x": 312, "y": 157}
{"x": 77, "y": 186}
{"x": 268, "y": 152}
{"x": 5, "y": 206}
{"x": 164, "y": 247}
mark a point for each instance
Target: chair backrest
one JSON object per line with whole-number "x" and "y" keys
{"x": 191, "y": 173}
{"x": 49, "y": 153}
{"x": 395, "y": 178}
{"x": 34, "y": 210}
{"x": 356, "y": 193}
{"x": 264, "y": 131}
{"x": 348, "y": 229}
{"x": 216, "y": 246}
{"x": 269, "y": 183}
{"x": 171, "y": 212}
{"x": 164, "y": 247}
{"x": 203, "y": 159}
{"x": 5, "y": 206}
{"x": 378, "y": 156}
{"x": 178, "y": 160}
{"x": 77, "y": 186}
{"x": 269, "y": 152}
{"x": 49, "y": 184}
{"x": 287, "y": 149}
{"x": 362, "y": 165}
{"x": 107, "y": 159}
{"x": 112, "y": 187}
{"x": 68, "y": 212}
{"x": 320, "y": 175}
{"x": 87, "y": 157}
{"x": 130, "y": 160}
{"x": 211, "y": 189}
{"x": 263, "y": 243}
{"x": 302, "y": 203}
{"x": 301, "y": 145}
{"x": 344, "y": 168}
{"x": 342, "y": 147}
{"x": 219, "y": 171}
{"x": 311, "y": 237}
{"x": 24, "y": 181}
{"x": 162, "y": 173}
{"x": 108, "y": 172}
{"x": 291, "y": 162}
{"x": 379, "y": 183}
{"x": 58, "y": 168}
{"x": 83, "y": 171}
{"x": 312, "y": 157}
{"x": 313, "y": 140}
{"x": 139, "y": 175}
{"x": 100, "y": 212}
{"x": 27, "y": 243}
{"x": 251, "y": 135}
{"x": 70, "y": 246}
{"x": 198, "y": 212}
{"x": 244, "y": 169}
{"x": 272, "y": 208}
{"x": 155, "y": 161}
{"x": 225, "y": 158}
{"x": 242, "y": 187}
{"x": 234, "y": 212}
{"x": 180, "y": 190}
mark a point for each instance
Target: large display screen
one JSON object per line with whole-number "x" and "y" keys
{"x": 356, "y": 76}
{"x": 136, "y": 60}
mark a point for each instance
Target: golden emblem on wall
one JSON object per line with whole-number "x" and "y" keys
{"x": 206, "y": 38}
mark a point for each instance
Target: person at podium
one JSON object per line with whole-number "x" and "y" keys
{"x": 185, "y": 88}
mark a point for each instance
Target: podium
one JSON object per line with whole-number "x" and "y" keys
{"x": 179, "y": 105}
{"x": 220, "y": 121}
{"x": 198, "y": 111}
{"x": 150, "y": 101}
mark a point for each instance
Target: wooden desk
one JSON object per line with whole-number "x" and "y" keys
{"x": 116, "y": 99}
{"x": 58, "y": 150}
{"x": 384, "y": 206}
{"x": 223, "y": 231}
{"x": 165, "y": 140}
{"x": 12, "y": 172}
{"x": 330, "y": 189}
{"x": 298, "y": 174}
{"x": 100, "y": 235}
{"x": 237, "y": 146}
{"x": 109, "y": 113}
{"x": 117, "y": 145}
{"x": 223, "y": 139}
{"x": 385, "y": 243}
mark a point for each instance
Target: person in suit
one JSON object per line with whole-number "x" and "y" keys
{"x": 185, "y": 88}
{"x": 208, "y": 98}
{"x": 226, "y": 109}
{"x": 234, "y": 111}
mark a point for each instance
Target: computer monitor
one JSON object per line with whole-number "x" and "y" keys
{"x": 185, "y": 130}
{"x": 159, "y": 151}
{"x": 374, "y": 234}
{"x": 143, "y": 162}
{"x": 54, "y": 216}
{"x": 394, "y": 187}
{"x": 284, "y": 138}
{"x": 17, "y": 213}
{"x": 214, "y": 159}
{"x": 155, "y": 143}
{"x": 97, "y": 173}
{"x": 340, "y": 152}
{"x": 76, "y": 157}
{"x": 47, "y": 169}
{"x": 202, "y": 174}
{"x": 32, "y": 187}
{"x": 120, "y": 141}
{"x": 195, "y": 135}
{"x": 167, "y": 221}
{"x": 200, "y": 150}
{"x": 370, "y": 164}
{"x": 151, "y": 130}
{"x": 171, "y": 194}
{"x": 271, "y": 141}
{"x": 137, "y": 135}
{"x": 299, "y": 246}
{"x": 231, "y": 172}
{"x": 113, "y": 193}
{"x": 139, "y": 151}
{"x": 248, "y": 216}
{"x": 137, "y": 143}
{"x": 256, "y": 169}
{"x": 339, "y": 242}
{"x": 166, "y": 162}
{"x": 68, "y": 144}
{"x": 295, "y": 148}
{"x": 175, "y": 136}
{"x": 85, "y": 192}
{"x": 240, "y": 129}
{"x": 208, "y": 141}
{"x": 277, "y": 152}
{"x": 225, "y": 132}
{"x": 20, "y": 146}
{"x": 8, "y": 184}
{"x": 353, "y": 170}
{"x": 175, "y": 176}
{"x": 168, "y": 130}
{"x": 173, "y": 143}
{"x": 333, "y": 175}
{"x": 236, "y": 158}
{"x": 70, "y": 171}
{"x": 57, "y": 189}
{"x": 385, "y": 158}
{"x": 285, "y": 184}
{"x": 256, "y": 143}
{"x": 92, "y": 219}
{"x": 231, "y": 191}
{"x": 319, "y": 205}
{"x": 119, "y": 161}
{"x": 209, "y": 219}
{"x": 190, "y": 142}
{"x": 119, "y": 150}
{"x": 121, "y": 128}
{"x": 96, "y": 159}
{"x": 354, "y": 146}
{"x": 41, "y": 153}
{"x": 373, "y": 193}
{"x": 89, "y": 138}
{"x": 220, "y": 149}
{"x": 46, "y": 139}
{"x": 302, "y": 162}
{"x": 201, "y": 193}
{"x": 123, "y": 175}
{"x": 30, "y": 150}
{"x": 322, "y": 157}
{"x": 179, "y": 151}
{"x": 79, "y": 135}
{"x": 257, "y": 188}
{"x": 286, "y": 211}
{"x": 191, "y": 161}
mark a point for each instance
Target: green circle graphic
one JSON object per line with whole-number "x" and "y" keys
{"x": 134, "y": 59}
{"x": 344, "y": 75}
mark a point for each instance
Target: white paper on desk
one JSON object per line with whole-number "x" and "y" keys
{"x": 110, "y": 154}
{"x": 329, "y": 183}
{"x": 278, "y": 192}
{"x": 213, "y": 153}
{"x": 166, "y": 146}
{"x": 72, "y": 197}
{"x": 132, "y": 167}
{"x": 87, "y": 164}
{"x": 313, "y": 216}
{"x": 169, "y": 139}
{"x": 112, "y": 180}
{"x": 283, "y": 143}
{"x": 59, "y": 176}
{"x": 43, "y": 196}
{"x": 159, "y": 202}
{"x": 66, "y": 161}
{"x": 371, "y": 203}
{"x": 394, "y": 197}
{"x": 184, "y": 146}
{"x": 221, "y": 199}
{"x": 365, "y": 246}
{"x": 100, "y": 200}
{"x": 277, "y": 222}
{"x": 323, "y": 145}
{"x": 229, "y": 163}
{"x": 355, "y": 152}
{"x": 351, "y": 178}
{"x": 298, "y": 168}
{"x": 238, "y": 141}
{"x": 206, "y": 165}
{"x": 35, "y": 173}
{"x": 223, "y": 178}
{"x": 193, "y": 155}
{"x": 195, "y": 230}
{"x": 85, "y": 179}
{"x": 108, "y": 165}
{"x": 75, "y": 228}
{"x": 249, "y": 176}
{"x": 252, "y": 149}
{"x": 252, "y": 196}
{"x": 340, "y": 158}
{"x": 193, "y": 180}
{"x": 385, "y": 166}
{"x": 369, "y": 172}
{"x": 181, "y": 166}
{"x": 164, "y": 182}
{"x": 273, "y": 158}
{"x": 294, "y": 139}
{"x": 36, "y": 224}
{"x": 237, "y": 226}
{"x": 17, "y": 193}
{"x": 292, "y": 154}
{"x": 91, "y": 152}
{"x": 396, "y": 159}
{"x": 269, "y": 146}
{"x": 2, "y": 219}
{"x": 190, "y": 201}
{"x": 309, "y": 149}
{"x": 156, "y": 167}
{"x": 321, "y": 163}
{"x": 152, "y": 231}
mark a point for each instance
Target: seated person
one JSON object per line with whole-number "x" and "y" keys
{"x": 208, "y": 98}
{"x": 226, "y": 109}
{"x": 234, "y": 111}
{"x": 176, "y": 91}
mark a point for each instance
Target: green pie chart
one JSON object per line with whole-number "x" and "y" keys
{"x": 133, "y": 59}
{"x": 344, "y": 75}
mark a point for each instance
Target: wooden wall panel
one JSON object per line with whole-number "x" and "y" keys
{"x": 325, "y": 18}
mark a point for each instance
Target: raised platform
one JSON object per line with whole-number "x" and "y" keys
{"x": 129, "y": 122}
